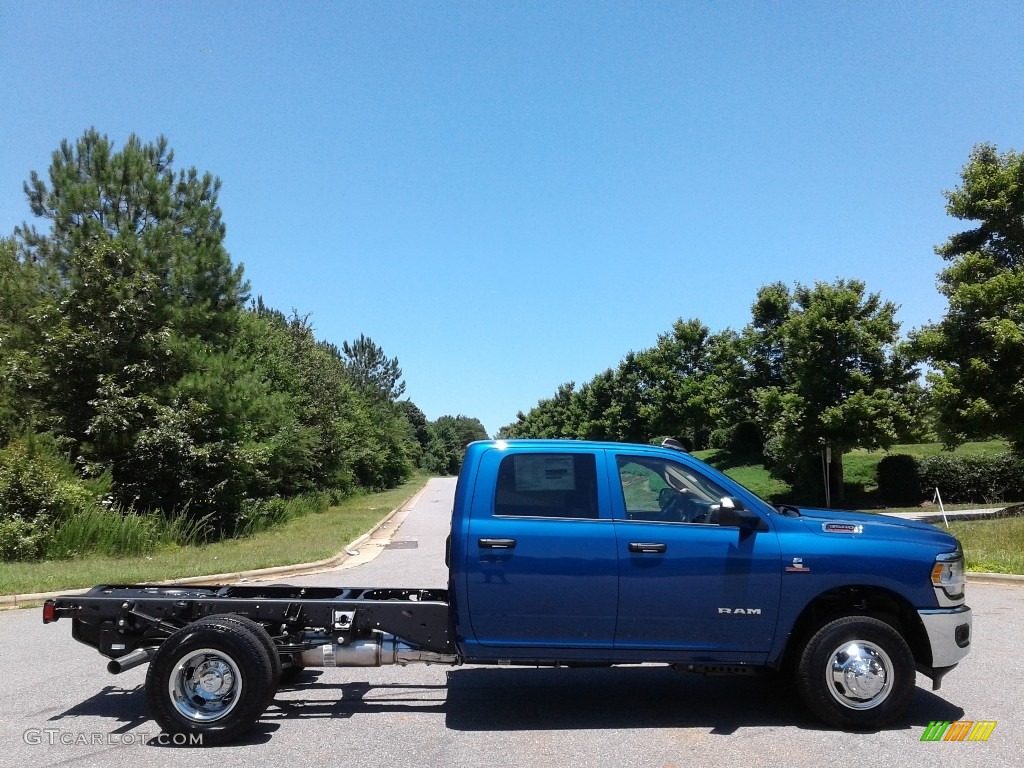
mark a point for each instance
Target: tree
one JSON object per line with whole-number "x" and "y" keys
{"x": 358, "y": 437}
{"x": 844, "y": 381}
{"x": 596, "y": 400}
{"x": 683, "y": 390}
{"x": 371, "y": 369}
{"x": 977, "y": 349}
{"x": 449, "y": 436}
{"x": 417, "y": 421}
{"x": 25, "y": 288}
{"x": 467, "y": 429}
{"x": 170, "y": 223}
{"x": 762, "y": 337}
{"x": 105, "y": 329}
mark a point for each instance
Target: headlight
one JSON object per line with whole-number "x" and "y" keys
{"x": 948, "y": 576}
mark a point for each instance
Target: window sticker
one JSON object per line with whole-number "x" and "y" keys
{"x": 545, "y": 473}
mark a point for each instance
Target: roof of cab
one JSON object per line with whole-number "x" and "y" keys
{"x": 566, "y": 442}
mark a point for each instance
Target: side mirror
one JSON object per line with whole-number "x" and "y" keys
{"x": 733, "y": 514}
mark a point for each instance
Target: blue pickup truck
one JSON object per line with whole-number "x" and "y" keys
{"x": 568, "y": 553}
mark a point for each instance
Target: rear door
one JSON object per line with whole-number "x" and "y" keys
{"x": 542, "y": 567}
{"x": 687, "y": 583}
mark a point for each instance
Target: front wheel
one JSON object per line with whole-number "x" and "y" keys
{"x": 856, "y": 672}
{"x": 211, "y": 679}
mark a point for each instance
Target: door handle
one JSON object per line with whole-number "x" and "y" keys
{"x": 646, "y": 546}
{"x": 496, "y": 543}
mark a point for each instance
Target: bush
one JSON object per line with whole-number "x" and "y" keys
{"x": 39, "y": 490}
{"x": 741, "y": 439}
{"x": 720, "y": 438}
{"x": 21, "y": 539}
{"x": 745, "y": 440}
{"x": 899, "y": 479}
{"x": 974, "y": 479}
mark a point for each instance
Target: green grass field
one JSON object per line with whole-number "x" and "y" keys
{"x": 305, "y": 539}
{"x": 993, "y": 546}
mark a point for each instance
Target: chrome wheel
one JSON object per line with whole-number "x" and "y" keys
{"x": 859, "y": 675}
{"x": 205, "y": 685}
{"x": 856, "y": 672}
{"x": 212, "y": 677}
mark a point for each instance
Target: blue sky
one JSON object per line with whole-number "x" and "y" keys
{"x": 507, "y": 196}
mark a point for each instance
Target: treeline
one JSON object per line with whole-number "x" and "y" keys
{"x": 820, "y": 370}
{"x": 138, "y": 379}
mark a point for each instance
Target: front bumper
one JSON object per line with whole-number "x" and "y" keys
{"x": 949, "y": 635}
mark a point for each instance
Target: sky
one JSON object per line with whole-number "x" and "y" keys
{"x": 507, "y": 196}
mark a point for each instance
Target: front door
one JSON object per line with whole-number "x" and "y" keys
{"x": 687, "y": 583}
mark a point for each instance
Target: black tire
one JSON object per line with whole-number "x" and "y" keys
{"x": 211, "y": 678}
{"x": 856, "y": 672}
{"x": 261, "y": 634}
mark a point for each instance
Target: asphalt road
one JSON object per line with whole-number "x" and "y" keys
{"x": 59, "y": 706}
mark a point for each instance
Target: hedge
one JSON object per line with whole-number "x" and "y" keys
{"x": 986, "y": 479}
{"x": 974, "y": 479}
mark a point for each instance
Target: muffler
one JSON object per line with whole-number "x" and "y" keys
{"x": 376, "y": 651}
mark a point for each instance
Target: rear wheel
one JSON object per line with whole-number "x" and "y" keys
{"x": 856, "y": 672}
{"x": 260, "y": 633}
{"x": 212, "y": 678}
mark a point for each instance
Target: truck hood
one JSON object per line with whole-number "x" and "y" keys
{"x": 831, "y": 522}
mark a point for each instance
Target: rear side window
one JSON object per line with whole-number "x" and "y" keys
{"x": 547, "y": 485}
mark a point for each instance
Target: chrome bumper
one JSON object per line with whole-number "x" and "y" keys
{"x": 949, "y": 634}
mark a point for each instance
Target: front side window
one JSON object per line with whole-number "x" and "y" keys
{"x": 547, "y": 485}
{"x": 659, "y": 490}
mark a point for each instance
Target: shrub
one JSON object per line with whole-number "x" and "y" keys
{"x": 39, "y": 490}
{"x": 720, "y": 438}
{"x": 21, "y": 539}
{"x": 745, "y": 439}
{"x": 899, "y": 479}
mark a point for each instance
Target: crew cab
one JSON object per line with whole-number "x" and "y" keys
{"x": 573, "y": 553}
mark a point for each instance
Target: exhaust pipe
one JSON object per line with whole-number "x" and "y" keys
{"x": 130, "y": 660}
{"x": 376, "y": 651}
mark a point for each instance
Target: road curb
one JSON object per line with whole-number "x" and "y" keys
{"x": 980, "y": 577}
{"x": 298, "y": 569}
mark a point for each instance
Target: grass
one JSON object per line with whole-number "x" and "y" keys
{"x": 993, "y": 546}
{"x": 747, "y": 472}
{"x": 304, "y": 539}
{"x": 755, "y": 478}
{"x": 109, "y": 532}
